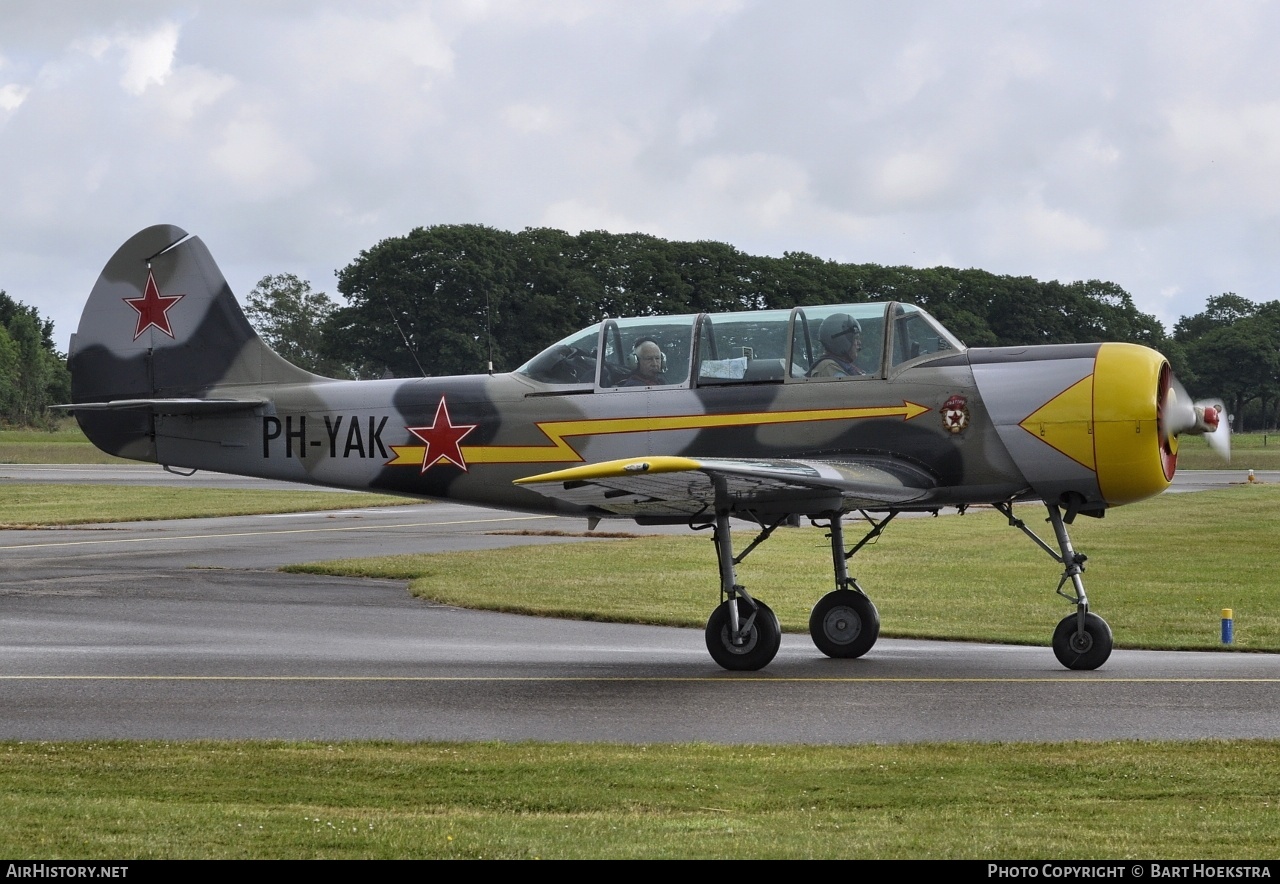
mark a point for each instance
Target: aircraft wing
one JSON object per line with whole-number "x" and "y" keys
{"x": 659, "y": 487}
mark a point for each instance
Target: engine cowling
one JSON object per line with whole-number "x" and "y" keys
{"x": 1084, "y": 423}
{"x": 1136, "y": 455}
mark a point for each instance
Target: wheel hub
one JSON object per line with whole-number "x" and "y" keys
{"x": 745, "y": 643}
{"x": 842, "y": 625}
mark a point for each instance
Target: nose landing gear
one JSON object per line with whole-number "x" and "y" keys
{"x": 1082, "y": 640}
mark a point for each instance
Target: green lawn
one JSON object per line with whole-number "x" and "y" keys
{"x": 63, "y": 445}
{"x": 1202, "y": 800}
{"x": 44, "y": 505}
{"x": 1249, "y": 451}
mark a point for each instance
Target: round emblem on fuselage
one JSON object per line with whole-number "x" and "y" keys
{"x": 955, "y": 414}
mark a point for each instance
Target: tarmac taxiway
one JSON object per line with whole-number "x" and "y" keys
{"x": 184, "y": 630}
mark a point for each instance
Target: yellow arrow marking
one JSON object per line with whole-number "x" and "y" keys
{"x": 1065, "y": 423}
{"x": 558, "y": 432}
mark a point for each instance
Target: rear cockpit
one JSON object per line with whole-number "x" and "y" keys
{"x": 804, "y": 344}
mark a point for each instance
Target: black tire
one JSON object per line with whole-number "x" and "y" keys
{"x": 844, "y": 623}
{"x": 1087, "y": 651}
{"x": 762, "y": 641}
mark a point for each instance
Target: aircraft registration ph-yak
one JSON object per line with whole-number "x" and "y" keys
{"x": 762, "y": 416}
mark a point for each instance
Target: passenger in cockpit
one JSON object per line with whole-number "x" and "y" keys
{"x": 648, "y": 364}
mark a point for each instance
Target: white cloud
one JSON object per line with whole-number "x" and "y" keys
{"x": 577, "y": 215}
{"x": 1229, "y": 153}
{"x": 349, "y": 50}
{"x": 190, "y": 90}
{"x": 763, "y": 189}
{"x": 11, "y": 96}
{"x": 259, "y": 161}
{"x": 913, "y": 177}
{"x": 148, "y": 58}
{"x": 529, "y": 118}
{"x": 1137, "y": 142}
{"x": 1054, "y": 230}
{"x": 695, "y": 125}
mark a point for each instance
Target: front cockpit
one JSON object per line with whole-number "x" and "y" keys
{"x": 803, "y": 344}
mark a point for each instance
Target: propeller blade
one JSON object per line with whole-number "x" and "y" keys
{"x": 1179, "y": 413}
{"x": 1206, "y": 417}
{"x": 1219, "y": 438}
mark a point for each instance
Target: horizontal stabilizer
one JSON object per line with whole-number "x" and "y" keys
{"x": 168, "y": 406}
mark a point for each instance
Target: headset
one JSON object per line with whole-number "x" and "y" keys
{"x": 633, "y": 358}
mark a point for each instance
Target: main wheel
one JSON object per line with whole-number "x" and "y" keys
{"x": 1082, "y": 651}
{"x": 844, "y": 623}
{"x": 761, "y": 642}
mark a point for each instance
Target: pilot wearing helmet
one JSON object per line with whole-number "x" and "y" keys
{"x": 841, "y": 339}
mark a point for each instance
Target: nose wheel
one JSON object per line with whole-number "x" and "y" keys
{"x": 1080, "y": 646}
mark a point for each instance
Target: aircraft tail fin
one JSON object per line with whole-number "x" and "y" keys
{"x": 162, "y": 324}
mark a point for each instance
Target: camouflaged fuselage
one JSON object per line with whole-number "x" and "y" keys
{"x": 167, "y": 369}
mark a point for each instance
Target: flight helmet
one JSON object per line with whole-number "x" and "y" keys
{"x": 837, "y": 333}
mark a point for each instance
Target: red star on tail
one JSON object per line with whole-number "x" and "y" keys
{"x": 153, "y": 308}
{"x": 442, "y": 439}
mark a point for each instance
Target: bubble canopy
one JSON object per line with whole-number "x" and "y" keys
{"x": 757, "y": 346}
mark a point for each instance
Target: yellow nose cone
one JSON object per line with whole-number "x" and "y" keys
{"x": 1133, "y": 461}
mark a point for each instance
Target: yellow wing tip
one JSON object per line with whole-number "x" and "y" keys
{"x": 614, "y": 468}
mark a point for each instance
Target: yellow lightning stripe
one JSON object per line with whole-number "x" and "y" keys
{"x": 558, "y": 432}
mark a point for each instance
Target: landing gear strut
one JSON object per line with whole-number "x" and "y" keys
{"x": 1082, "y": 640}
{"x": 844, "y": 622}
{"x": 743, "y": 633}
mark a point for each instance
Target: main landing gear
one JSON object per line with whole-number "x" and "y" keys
{"x": 743, "y": 632}
{"x": 844, "y": 622}
{"x": 1082, "y": 640}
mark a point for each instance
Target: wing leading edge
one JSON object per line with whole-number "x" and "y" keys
{"x": 666, "y": 487}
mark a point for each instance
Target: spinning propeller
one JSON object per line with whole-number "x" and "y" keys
{"x": 1179, "y": 414}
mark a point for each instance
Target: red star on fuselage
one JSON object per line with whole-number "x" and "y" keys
{"x": 442, "y": 439}
{"x": 153, "y": 308}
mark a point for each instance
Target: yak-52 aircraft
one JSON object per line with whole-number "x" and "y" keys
{"x": 763, "y": 416}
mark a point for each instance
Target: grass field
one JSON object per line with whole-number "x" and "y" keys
{"x": 1249, "y": 451}
{"x": 63, "y": 445}
{"x": 1202, "y": 800}
{"x": 44, "y": 505}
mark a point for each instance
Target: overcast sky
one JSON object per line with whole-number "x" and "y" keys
{"x": 1136, "y": 142}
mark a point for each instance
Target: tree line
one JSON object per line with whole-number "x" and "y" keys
{"x": 33, "y": 375}
{"x": 450, "y": 299}
{"x": 1232, "y": 350}
{"x": 455, "y": 299}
